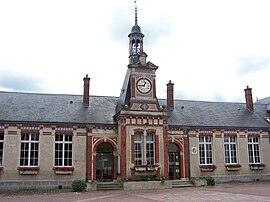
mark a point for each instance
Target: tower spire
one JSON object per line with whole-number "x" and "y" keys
{"x": 135, "y": 40}
{"x": 136, "y": 12}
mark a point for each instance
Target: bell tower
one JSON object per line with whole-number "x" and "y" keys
{"x": 139, "y": 89}
{"x": 135, "y": 40}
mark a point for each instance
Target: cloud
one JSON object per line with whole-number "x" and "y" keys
{"x": 16, "y": 81}
{"x": 120, "y": 24}
{"x": 153, "y": 27}
{"x": 156, "y": 30}
{"x": 252, "y": 64}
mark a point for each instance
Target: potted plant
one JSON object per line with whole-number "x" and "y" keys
{"x": 207, "y": 168}
{"x": 233, "y": 167}
{"x": 63, "y": 170}
{"x": 28, "y": 170}
{"x": 256, "y": 166}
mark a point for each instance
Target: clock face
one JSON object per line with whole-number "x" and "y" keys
{"x": 144, "y": 85}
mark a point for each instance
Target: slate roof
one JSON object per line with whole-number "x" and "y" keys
{"x": 55, "y": 108}
{"x": 264, "y": 100}
{"x": 189, "y": 113}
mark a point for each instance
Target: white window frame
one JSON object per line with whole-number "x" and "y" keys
{"x": 150, "y": 149}
{"x": 33, "y": 153}
{"x": 147, "y": 149}
{"x": 138, "y": 149}
{"x": 230, "y": 150}
{"x": 63, "y": 160}
{"x": 207, "y": 147}
{"x": 254, "y": 158}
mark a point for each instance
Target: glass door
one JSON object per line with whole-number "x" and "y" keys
{"x": 104, "y": 163}
{"x": 174, "y": 162}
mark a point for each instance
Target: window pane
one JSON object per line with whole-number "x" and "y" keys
{"x": 29, "y": 150}
{"x": 205, "y": 150}
{"x": 254, "y": 150}
{"x": 63, "y": 150}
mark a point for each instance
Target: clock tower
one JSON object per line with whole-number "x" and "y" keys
{"x": 142, "y": 122}
{"x": 139, "y": 89}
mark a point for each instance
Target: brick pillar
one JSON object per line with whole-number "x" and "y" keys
{"x": 170, "y": 96}
{"x": 132, "y": 154}
{"x": 165, "y": 144}
{"x": 89, "y": 154}
{"x": 123, "y": 152}
{"x": 115, "y": 165}
{"x": 156, "y": 148}
{"x": 249, "y": 100}
{"x": 86, "y": 81}
{"x": 186, "y": 163}
{"x": 154, "y": 88}
{"x": 181, "y": 161}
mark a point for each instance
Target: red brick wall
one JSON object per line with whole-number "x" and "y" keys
{"x": 123, "y": 152}
{"x": 165, "y": 142}
{"x": 170, "y": 96}
{"x": 249, "y": 100}
{"x": 186, "y": 156}
{"x": 86, "y": 90}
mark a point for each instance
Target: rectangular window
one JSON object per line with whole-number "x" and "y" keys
{"x": 1, "y": 148}
{"x": 63, "y": 150}
{"x": 230, "y": 150}
{"x": 150, "y": 149}
{"x": 254, "y": 150}
{"x": 205, "y": 150}
{"x": 29, "y": 150}
{"x": 144, "y": 149}
{"x": 138, "y": 149}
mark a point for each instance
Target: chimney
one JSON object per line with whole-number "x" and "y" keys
{"x": 170, "y": 99}
{"x": 86, "y": 81}
{"x": 249, "y": 100}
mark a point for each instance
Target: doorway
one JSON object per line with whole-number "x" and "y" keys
{"x": 104, "y": 162}
{"x": 174, "y": 162}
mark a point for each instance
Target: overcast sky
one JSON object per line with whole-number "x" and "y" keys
{"x": 210, "y": 49}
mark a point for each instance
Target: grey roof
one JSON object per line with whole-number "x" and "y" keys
{"x": 125, "y": 92}
{"x": 264, "y": 100}
{"x": 24, "y": 107}
{"x": 217, "y": 114}
{"x": 55, "y": 108}
{"x": 136, "y": 29}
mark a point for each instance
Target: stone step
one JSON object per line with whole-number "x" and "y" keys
{"x": 181, "y": 183}
{"x": 103, "y": 186}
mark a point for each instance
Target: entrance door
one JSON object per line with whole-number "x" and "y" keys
{"x": 104, "y": 164}
{"x": 174, "y": 162}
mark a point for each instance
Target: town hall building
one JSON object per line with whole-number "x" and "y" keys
{"x": 49, "y": 140}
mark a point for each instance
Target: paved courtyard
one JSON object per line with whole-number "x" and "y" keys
{"x": 225, "y": 192}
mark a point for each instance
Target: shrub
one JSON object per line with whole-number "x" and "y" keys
{"x": 78, "y": 185}
{"x": 162, "y": 179}
{"x": 210, "y": 181}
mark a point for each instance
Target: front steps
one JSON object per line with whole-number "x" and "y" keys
{"x": 106, "y": 186}
{"x": 118, "y": 185}
{"x": 182, "y": 183}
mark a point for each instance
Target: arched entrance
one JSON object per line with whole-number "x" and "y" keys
{"x": 174, "y": 162}
{"x": 104, "y": 162}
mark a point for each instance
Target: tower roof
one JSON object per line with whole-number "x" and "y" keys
{"x": 136, "y": 28}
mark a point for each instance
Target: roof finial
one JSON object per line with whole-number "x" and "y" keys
{"x": 136, "y": 18}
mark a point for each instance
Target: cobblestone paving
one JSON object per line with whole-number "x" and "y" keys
{"x": 227, "y": 192}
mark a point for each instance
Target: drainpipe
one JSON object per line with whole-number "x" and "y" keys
{"x": 188, "y": 155}
{"x": 87, "y": 171}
